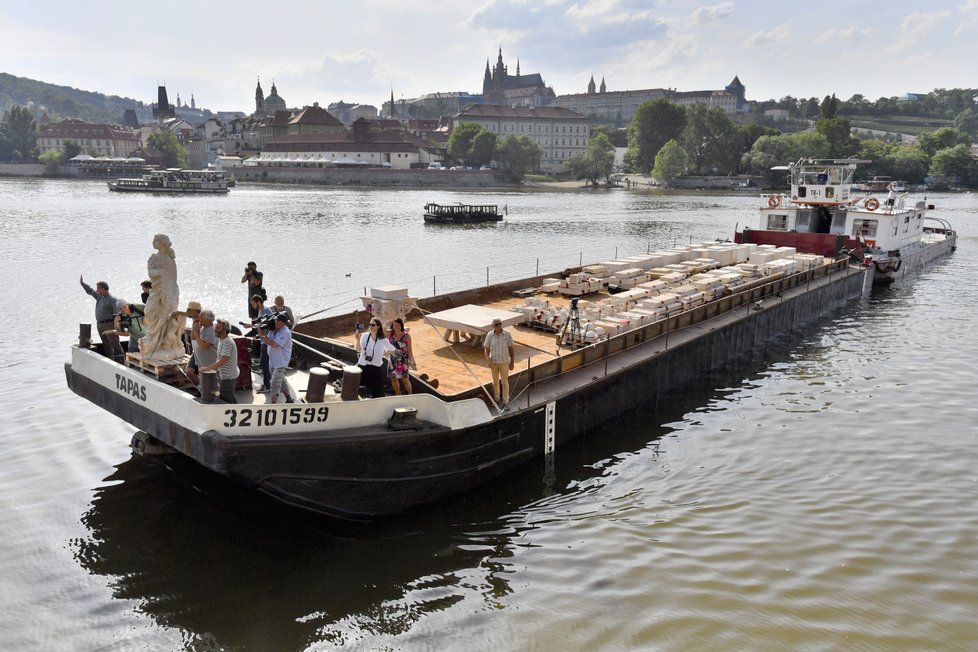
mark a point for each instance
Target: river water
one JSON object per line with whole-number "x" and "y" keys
{"x": 820, "y": 497}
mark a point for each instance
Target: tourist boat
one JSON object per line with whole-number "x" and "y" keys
{"x": 822, "y": 214}
{"x": 174, "y": 180}
{"x": 461, "y": 213}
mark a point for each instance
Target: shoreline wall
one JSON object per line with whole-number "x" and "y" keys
{"x": 370, "y": 177}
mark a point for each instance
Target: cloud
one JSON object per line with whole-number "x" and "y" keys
{"x": 712, "y": 12}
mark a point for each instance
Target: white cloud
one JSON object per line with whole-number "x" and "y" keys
{"x": 712, "y": 12}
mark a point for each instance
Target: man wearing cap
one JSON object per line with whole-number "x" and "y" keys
{"x": 105, "y": 305}
{"x": 498, "y": 348}
{"x": 279, "y": 343}
{"x": 203, "y": 341}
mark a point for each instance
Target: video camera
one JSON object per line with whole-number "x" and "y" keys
{"x": 264, "y": 322}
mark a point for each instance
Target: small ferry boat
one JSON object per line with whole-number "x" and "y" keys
{"x": 174, "y": 180}
{"x": 461, "y": 213}
{"x": 822, "y": 214}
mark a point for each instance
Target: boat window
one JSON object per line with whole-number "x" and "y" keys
{"x": 865, "y": 228}
{"x": 777, "y": 222}
{"x": 829, "y": 192}
{"x": 906, "y": 223}
{"x": 802, "y": 219}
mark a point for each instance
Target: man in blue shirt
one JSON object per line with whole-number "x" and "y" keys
{"x": 105, "y": 311}
{"x": 279, "y": 343}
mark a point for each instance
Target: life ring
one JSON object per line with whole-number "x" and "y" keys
{"x": 872, "y": 204}
{"x": 774, "y": 201}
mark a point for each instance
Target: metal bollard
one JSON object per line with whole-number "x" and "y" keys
{"x": 318, "y": 379}
{"x": 350, "y": 390}
{"x": 84, "y": 336}
{"x": 210, "y": 386}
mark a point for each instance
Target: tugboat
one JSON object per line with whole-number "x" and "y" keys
{"x": 823, "y": 215}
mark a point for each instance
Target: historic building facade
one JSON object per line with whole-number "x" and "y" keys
{"x": 618, "y": 107}
{"x": 267, "y": 106}
{"x": 499, "y": 87}
{"x": 560, "y": 133}
{"x": 95, "y": 139}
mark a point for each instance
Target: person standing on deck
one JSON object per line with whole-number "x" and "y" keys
{"x": 891, "y": 194}
{"x": 254, "y": 280}
{"x": 279, "y": 343}
{"x": 105, "y": 305}
{"x": 373, "y": 349}
{"x": 498, "y": 348}
{"x": 226, "y": 364}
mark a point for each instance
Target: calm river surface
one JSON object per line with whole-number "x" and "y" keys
{"x": 823, "y": 496}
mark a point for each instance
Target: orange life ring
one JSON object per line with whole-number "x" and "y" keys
{"x": 774, "y": 201}
{"x": 872, "y": 204}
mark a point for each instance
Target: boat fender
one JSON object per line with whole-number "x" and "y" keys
{"x": 774, "y": 201}
{"x": 872, "y": 204}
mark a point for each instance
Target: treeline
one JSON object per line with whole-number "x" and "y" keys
{"x": 941, "y": 103}
{"x": 668, "y": 141}
{"x": 62, "y": 101}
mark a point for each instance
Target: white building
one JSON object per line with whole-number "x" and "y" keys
{"x": 560, "y": 133}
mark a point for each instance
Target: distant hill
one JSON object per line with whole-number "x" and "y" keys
{"x": 65, "y": 102}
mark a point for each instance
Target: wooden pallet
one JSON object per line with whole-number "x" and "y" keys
{"x": 170, "y": 373}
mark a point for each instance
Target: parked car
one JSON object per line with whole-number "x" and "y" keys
{"x": 435, "y": 165}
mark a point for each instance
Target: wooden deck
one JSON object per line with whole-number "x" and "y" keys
{"x": 459, "y": 367}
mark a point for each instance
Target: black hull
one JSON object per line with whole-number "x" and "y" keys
{"x": 361, "y": 473}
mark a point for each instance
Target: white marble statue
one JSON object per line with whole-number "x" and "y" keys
{"x": 162, "y": 341}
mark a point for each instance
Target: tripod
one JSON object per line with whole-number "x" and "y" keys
{"x": 572, "y": 328}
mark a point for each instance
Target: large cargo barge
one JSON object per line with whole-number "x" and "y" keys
{"x": 590, "y": 344}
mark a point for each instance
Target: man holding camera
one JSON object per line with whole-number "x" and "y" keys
{"x": 279, "y": 343}
{"x": 263, "y": 318}
{"x": 129, "y": 322}
{"x": 254, "y": 280}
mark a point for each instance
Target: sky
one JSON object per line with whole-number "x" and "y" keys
{"x": 359, "y": 52}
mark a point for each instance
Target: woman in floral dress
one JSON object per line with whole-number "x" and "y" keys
{"x": 402, "y": 359}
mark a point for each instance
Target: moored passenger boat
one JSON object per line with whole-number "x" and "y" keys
{"x": 174, "y": 180}
{"x": 822, "y": 214}
{"x": 461, "y": 213}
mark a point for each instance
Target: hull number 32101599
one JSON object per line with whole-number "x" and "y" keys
{"x": 249, "y": 417}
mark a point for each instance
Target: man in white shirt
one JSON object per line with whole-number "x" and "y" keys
{"x": 498, "y": 349}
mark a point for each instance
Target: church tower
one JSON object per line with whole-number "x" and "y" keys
{"x": 259, "y": 100}
{"x": 487, "y": 80}
{"x": 590, "y": 86}
{"x": 603, "y": 88}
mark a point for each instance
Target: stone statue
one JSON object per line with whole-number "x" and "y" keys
{"x": 162, "y": 341}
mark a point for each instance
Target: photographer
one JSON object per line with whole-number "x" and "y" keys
{"x": 254, "y": 280}
{"x": 263, "y": 320}
{"x": 279, "y": 343}
{"x": 129, "y": 321}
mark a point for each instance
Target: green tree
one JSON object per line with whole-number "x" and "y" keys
{"x": 460, "y": 142}
{"x": 518, "y": 155}
{"x": 838, "y": 132}
{"x": 954, "y": 161}
{"x": 708, "y": 139}
{"x": 670, "y": 162}
{"x": 744, "y": 138}
{"x": 828, "y": 108}
{"x": 51, "y": 160}
{"x": 174, "y": 155}
{"x": 770, "y": 151}
{"x": 910, "y": 163}
{"x": 595, "y": 162}
{"x": 943, "y": 138}
{"x": 617, "y": 137}
{"x": 967, "y": 121}
{"x": 72, "y": 149}
{"x": 20, "y": 135}
{"x": 483, "y": 148}
{"x": 653, "y": 125}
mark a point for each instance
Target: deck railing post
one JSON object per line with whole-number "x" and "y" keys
{"x": 487, "y": 277}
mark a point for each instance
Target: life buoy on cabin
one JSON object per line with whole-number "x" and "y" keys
{"x": 872, "y": 204}
{"x": 774, "y": 201}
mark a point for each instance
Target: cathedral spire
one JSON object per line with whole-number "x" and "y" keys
{"x": 590, "y": 86}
